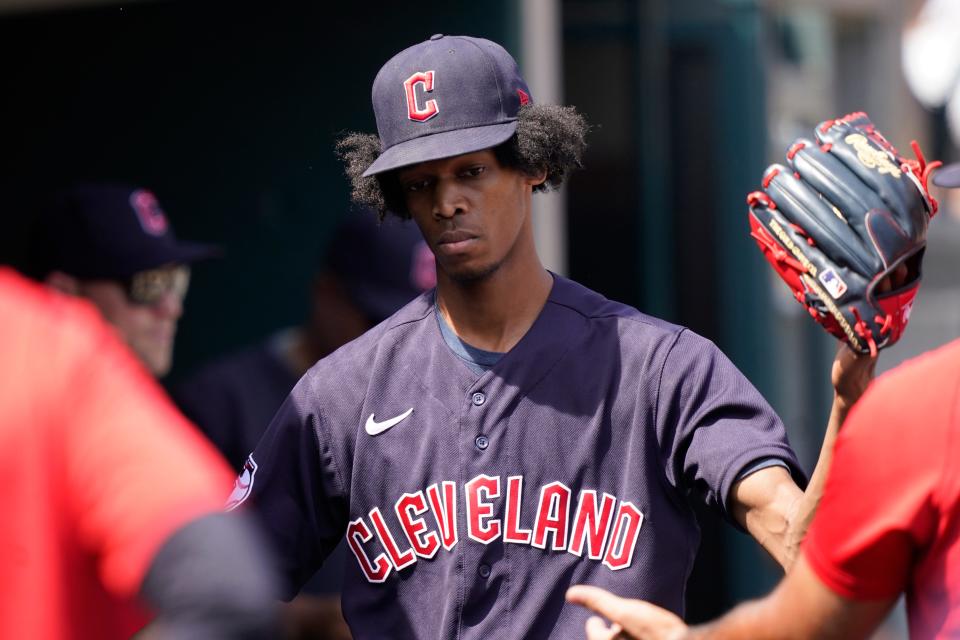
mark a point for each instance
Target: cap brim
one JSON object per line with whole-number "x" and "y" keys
{"x": 441, "y": 145}
{"x": 948, "y": 177}
{"x": 178, "y": 253}
{"x": 190, "y": 252}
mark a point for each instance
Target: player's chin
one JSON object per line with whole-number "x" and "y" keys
{"x": 469, "y": 273}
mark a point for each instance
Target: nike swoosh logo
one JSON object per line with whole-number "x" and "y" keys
{"x": 375, "y": 428}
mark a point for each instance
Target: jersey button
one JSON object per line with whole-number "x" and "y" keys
{"x": 479, "y": 398}
{"x": 484, "y": 571}
{"x": 482, "y": 442}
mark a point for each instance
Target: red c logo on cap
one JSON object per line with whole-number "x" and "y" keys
{"x": 430, "y": 107}
{"x": 148, "y": 212}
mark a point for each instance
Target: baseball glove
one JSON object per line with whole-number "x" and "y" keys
{"x": 845, "y": 227}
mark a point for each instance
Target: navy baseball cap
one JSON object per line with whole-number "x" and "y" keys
{"x": 948, "y": 176}
{"x": 111, "y": 231}
{"x": 382, "y": 265}
{"x": 445, "y": 97}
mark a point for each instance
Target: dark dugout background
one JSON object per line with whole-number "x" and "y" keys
{"x": 229, "y": 112}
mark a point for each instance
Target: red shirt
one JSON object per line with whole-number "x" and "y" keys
{"x": 98, "y": 469}
{"x": 889, "y": 520}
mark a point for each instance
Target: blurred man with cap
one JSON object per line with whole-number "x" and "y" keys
{"x": 113, "y": 245}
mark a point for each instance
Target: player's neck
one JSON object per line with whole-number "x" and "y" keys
{"x": 494, "y": 313}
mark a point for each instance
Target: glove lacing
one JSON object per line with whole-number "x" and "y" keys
{"x": 862, "y": 330}
{"x": 921, "y": 170}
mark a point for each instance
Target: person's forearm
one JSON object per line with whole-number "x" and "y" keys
{"x": 850, "y": 375}
{"x": 805, "y": 507}
{"x": 748, "y": 620}
{"x": 800, "y": 608}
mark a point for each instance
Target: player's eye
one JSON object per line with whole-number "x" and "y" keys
{"x": 474, "y": 172}
{"x": 414, "y": 185}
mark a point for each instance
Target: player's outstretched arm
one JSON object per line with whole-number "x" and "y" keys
{"x": 851, "y": 374}
{"x": 768, "y": 503}
{"x": 844, "y": 224}
{"x": 800, "y": 608}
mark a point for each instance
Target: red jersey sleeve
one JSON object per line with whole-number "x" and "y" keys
{"x": 879, "y": 504}
{"x": 135, "y": 469}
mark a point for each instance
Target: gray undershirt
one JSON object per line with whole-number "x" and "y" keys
{"x": 478, "y": 360}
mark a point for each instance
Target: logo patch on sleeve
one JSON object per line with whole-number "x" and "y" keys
{"x": 834, "y": 285}
{"x": 243, "y": 485}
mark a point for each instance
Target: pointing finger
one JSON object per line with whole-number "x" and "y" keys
{"x": 597, "y": 629}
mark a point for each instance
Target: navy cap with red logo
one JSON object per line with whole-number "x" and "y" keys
{"x": 948, "y": 176}
{"x": 445, "y": 97}
{"x": 111, "y": 231}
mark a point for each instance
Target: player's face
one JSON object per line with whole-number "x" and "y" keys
{"x": 472, "y": 211}
{"x": 148, "y": 327}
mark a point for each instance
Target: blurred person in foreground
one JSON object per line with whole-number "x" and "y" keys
{"x": 888, "y": 523}
{"x": 369, "y": 270}
{"x": 114, "y": 246}
{"x": 112, "y": 501}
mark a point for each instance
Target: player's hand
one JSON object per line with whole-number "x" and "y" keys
{"x": 851, "y": 374}
{"x": 630, "y": 619}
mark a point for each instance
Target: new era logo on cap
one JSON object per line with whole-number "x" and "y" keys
{"x": 445, "y": 97}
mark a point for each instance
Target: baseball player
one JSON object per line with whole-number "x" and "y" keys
{"x": 511, "y": 432}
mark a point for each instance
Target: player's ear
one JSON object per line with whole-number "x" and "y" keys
{"x": 537, "y": 177}
{"x": 62, "y": 282}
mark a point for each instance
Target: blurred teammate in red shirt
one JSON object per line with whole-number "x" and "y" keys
{"x": 112, "y": 503}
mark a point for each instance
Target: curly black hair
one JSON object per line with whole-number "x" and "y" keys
{"x": 548, "y": 137}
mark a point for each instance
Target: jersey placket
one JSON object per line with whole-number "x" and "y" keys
{"x": 485, "y": 611}
{"x": 487, "y": 461}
